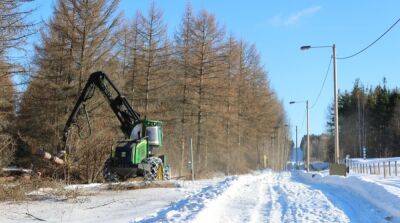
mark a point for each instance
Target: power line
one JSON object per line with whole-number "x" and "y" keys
{"x": 323, "y": 84}
{"x": 365, "y": 48}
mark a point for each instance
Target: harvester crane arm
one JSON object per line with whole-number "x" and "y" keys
{"x": 118, "y": 103}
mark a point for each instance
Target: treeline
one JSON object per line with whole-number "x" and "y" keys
{"x": 318, "y": 146}
{"x": 203, "y": 84}
{"x": 369, "y": 117}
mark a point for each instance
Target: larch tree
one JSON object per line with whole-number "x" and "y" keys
{"x": 184, "y": 90}
{"x": 153, "y": 76}
{"x": 14, "y": 31}
{"x": 7, "y": 115}
{"x": 78, "y": 40}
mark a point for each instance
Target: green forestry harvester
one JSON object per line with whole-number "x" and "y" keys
{"x": 135, "y": 156}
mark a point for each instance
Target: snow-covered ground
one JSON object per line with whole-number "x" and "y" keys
{"x": 259, "y": 197}
{"x": 99, "y": 205}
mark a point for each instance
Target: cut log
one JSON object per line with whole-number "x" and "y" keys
{"x": 47, "y": 156}
{"x": 15, "y": 171}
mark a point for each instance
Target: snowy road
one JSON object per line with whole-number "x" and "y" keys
{"x": 258, "y": 197}
{"x": 270, "y": 197}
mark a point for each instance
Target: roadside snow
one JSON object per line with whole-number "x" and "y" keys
{"x": 374, "y": 195}
{"x": 100, "y": 206}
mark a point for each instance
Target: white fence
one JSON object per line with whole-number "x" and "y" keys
{"x": 377, "y": 166}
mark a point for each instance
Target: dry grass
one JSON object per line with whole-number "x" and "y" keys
{"x": 12, "y": 192}
{"x": 141, "y": 185}
{"x": 44, "y": 189}
{"x": 34, "y": 189}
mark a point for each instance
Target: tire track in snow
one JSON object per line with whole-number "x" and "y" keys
{"x": 272, "y": 209}
{"x": 265, "y": 197}
{"x": 256, "y": 215}
{"x": 185, "y": 210}
{"x": 241, "y": 202}
{"x": 300, "y": 203}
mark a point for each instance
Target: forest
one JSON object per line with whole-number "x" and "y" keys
{"x": 204, "y": 84}
{"x": 369, "y": 117}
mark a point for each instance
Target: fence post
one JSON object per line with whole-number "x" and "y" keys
{"x": 351, "y": 165}
{"x": 373, "y": 167}
{"x": 370, "y": 169}
{"x": 379, "y": 169}
{"x": 390, "y": 171}
{"x": 395, "y": 168}
{"x": 384, "y": 170}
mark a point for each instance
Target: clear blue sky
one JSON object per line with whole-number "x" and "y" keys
{"x": 279, "y": 28}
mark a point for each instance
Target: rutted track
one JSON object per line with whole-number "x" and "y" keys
{"x": 269, "y": 197}
{"x": 186, "y": 209}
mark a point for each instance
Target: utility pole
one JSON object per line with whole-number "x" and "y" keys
{"x": 335, "y": 94}
{"x": 336, "y": 105}
{"x": 308, "y": 138}
{"x": 308, "y": 133}
{"x": 276, "y": 147}
{"x": 191, "y": 158}
{"x": 286, "y": 148}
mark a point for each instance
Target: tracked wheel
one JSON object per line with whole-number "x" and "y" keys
{"x": 167, "y": 172}
{"x": 108, "y": 174}
{"x": 156, "y": 169}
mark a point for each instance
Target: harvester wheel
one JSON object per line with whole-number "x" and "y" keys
{"x": 156, "y": 170}
{"x": 108, "y": 174}
{"x": 167, "y": 173}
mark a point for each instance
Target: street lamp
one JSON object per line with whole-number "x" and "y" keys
{"x": 335, "y": 94}
{"x": 305, "y": 47}
{"x": 308, "y": 133}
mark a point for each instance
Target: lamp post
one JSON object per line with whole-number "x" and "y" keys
{"x": 335, "y": 94}
{"x": 308, "y": 133}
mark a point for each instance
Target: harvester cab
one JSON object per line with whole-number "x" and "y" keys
{"x": 150, "y": 129}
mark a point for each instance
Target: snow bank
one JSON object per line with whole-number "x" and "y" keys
{"x": 380, "y": 195}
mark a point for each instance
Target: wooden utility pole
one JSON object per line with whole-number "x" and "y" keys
{"x": 191, "y": 158}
